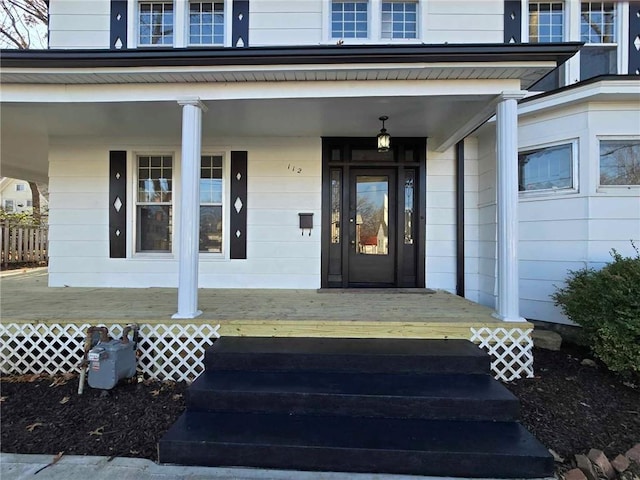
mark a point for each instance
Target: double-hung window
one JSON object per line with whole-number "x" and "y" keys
{"x": 9, "y": 206}
{"x": 155, "y": 23}
{"x": 620, "y": 162}
{"x": 211, "y": 203}
{"x": 206, "y": 23}
{"x": 549, "y": 168}
{"x": 598, "y": 31}
{"x": 399, "y": 19}
{"x": 20, "y": 187}
{"x": 154, "y": 198}
{"x": 547, "y": 25}
{"x": 349, "y": 19}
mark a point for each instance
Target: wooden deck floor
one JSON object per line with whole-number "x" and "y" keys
{"x": 26, "y": 298}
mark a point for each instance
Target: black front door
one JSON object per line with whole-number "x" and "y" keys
{"x": 373, "y": 213}
{"x": 372, "y": 227}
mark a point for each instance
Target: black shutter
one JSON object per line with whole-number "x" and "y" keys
{"x": 634, "y": 38}
{"x": 240, "y": 24}
{"x": 238, "y": 207}
{"x": 117, "y": 204}
{"x": 512, "y": 19}
{"x": 118, "y": 33}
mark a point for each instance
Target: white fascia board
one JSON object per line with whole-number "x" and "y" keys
{"x": 590, "y": 92}
{"x": 254, "y": 90}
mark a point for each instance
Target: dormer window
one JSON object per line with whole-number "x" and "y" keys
{"x": 155, "y": 23}
{"x": 206, "y": 23}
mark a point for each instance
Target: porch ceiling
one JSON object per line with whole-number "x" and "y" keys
{"x": 442, "y": 92}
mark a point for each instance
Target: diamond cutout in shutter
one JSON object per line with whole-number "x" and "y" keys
{"x": 240, "y": 42}
{"x": 513, "y": 16}
{"x": 117, "y": 204}
{"x": 118, "y": 17}
{"x": 117, "y": 233}
{"x": 238, "y": 205}
{"x": 118, "y": 176}
{"x": 118, "y": 43}
{"x": 513, "y": 40}
{"x": 636, "y": 42}
{"x": 238, "y": 234}
{"x": 239, "y": 176}
{"x": 240, "y": 16}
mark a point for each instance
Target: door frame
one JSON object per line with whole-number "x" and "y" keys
{"x": 337, "y": 159}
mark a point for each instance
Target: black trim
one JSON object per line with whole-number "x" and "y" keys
{"x": 634, "y": 33}
{"x": 118, "y": 27}
{"x": 460, "y": 218}
{"x": 512, "y": 21}
{"x": 600, "y": 78}
{"x": 307, "y": 55}
{"x": 409, "y": 273}
{"x": 240, "y": 24}
{"x": 117, "y": 216}
{"x": 238, "y": 232}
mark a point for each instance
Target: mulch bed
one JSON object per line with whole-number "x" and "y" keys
{"x": 570, "y": 407}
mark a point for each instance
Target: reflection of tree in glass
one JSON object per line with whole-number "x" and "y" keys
{"x": 371, "y": 215}
{"x": 619, "y": 163}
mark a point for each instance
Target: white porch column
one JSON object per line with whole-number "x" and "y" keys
{"x": 507, "y": 305}
{"x": 189, "y": 208}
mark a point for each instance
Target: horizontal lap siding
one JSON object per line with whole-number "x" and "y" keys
{"x": 285, "y": 23}
{"x": 561, "y": 232}
{"x": 463, "y": 22}
{"x": 79, "y": 24}
{"x": 441, "y": 254}
{"x": 278, "y": 255}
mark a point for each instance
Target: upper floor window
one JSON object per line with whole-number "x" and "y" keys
{"x": 349, "y": 19}
{"x": 154, "y": 203}
{"x": 548, "y": 168}
{"x": 155, "y": 23}
{"x": 620, "y": 162}
{"x": 399, "y": 19}
{"x": 546, "y": 22}
{"x": 20, "y": 187}
{"x": 206, "y": 23}
{"x": 598, "y": 31}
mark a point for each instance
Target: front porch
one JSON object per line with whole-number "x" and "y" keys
{"x": 32, "y": 311}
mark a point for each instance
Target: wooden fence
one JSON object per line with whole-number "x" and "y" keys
{"x": 23, "y": 245}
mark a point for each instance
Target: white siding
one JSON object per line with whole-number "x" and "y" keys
{"x": 279, "y": 22}
{"x": 561, "y": 231}
{"x": 278, "y": 256}
{"x": 480, "y": 21}
{"x": 79, "y": 24}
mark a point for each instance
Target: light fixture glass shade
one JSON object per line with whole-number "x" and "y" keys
{"x": 384, "y": 141}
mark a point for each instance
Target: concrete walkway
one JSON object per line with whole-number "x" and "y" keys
{"x": 21, "y": 467}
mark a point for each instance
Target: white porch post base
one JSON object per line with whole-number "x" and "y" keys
{"x": 189, "y": 209}
{"x": 508, "y": 301}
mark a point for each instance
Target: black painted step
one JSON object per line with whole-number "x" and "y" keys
{"x": 409, "y": 446}
{"x": 455, "y": 397}
{"x": 375, "y": 355}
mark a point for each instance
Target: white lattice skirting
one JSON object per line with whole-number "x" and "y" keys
{"x": 166, "y": 352}
{"x": 511, "y": 351}
{"x": 175, "y": 352}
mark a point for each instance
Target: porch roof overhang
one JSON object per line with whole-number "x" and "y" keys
{"x": 443, "y": 92}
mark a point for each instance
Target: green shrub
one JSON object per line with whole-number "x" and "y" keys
{"x": 606, "y": 303}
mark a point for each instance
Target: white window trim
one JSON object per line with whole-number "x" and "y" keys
{"x": 132, "y": 197}
{"x": 622, "y": 190}
{"x": 374, "y": 19}
{"x": 180, "y": 24}
{"x": 226, "y": 223}
{"x": 575, "y": 174}
{"x": 525, "y": 18}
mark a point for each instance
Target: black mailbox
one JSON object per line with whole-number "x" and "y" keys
{"x": 306, "y": 222}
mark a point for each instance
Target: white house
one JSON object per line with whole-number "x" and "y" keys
{"x": 16, "y": 196}
{"x": 227, "y": 144}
